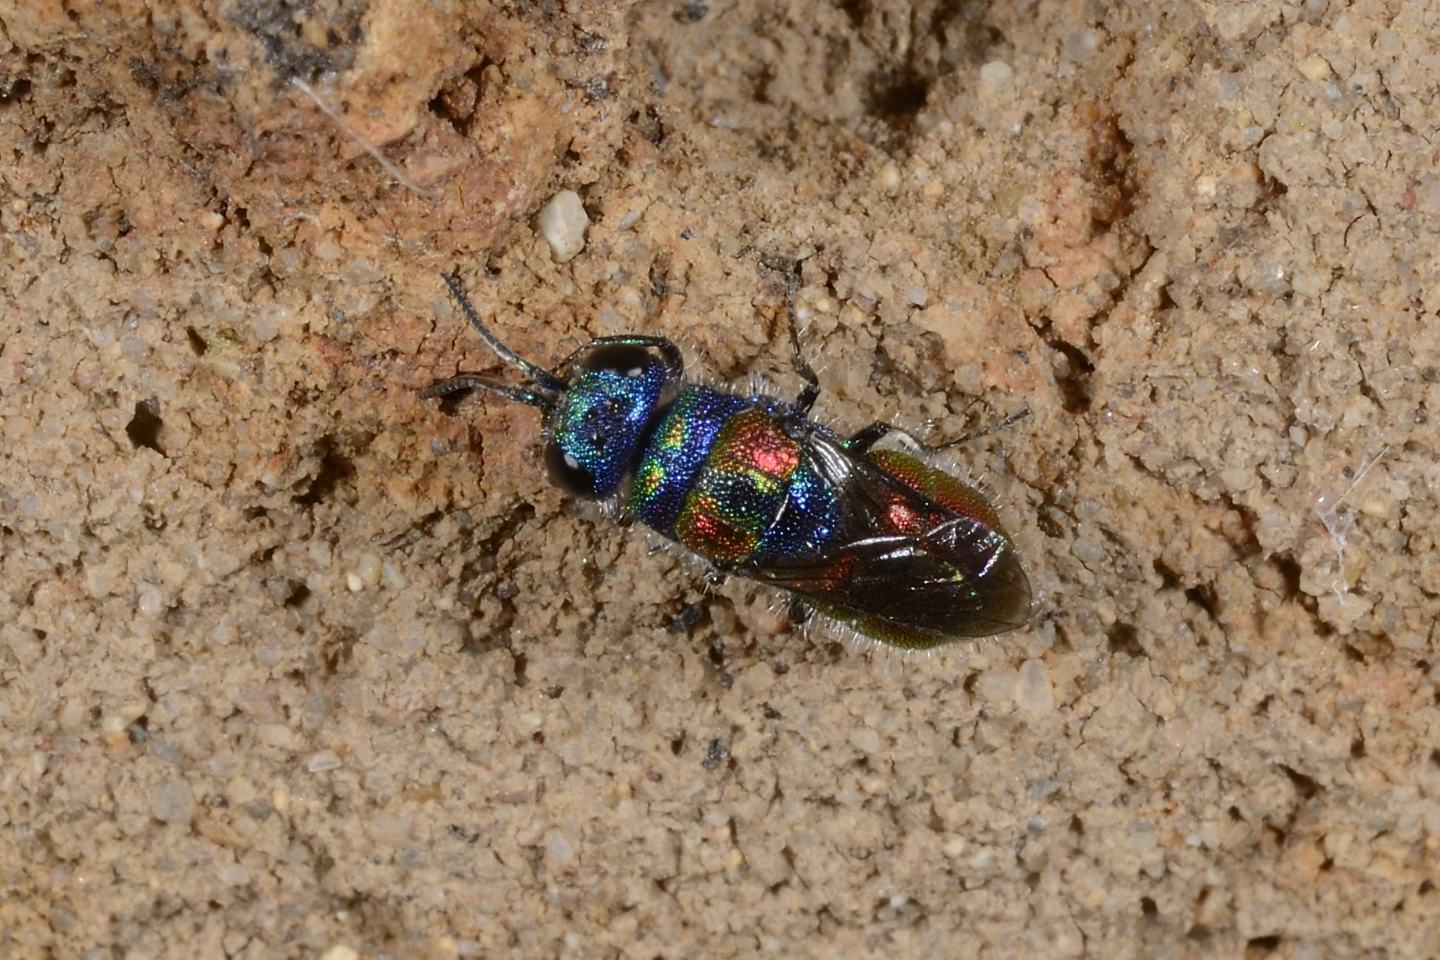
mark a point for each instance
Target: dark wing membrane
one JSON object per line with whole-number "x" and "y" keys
{"x": 957, "y": 578}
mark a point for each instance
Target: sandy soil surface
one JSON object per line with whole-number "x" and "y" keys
{"x": 295, "y": 664}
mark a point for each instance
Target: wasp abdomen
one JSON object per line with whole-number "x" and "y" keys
{"x": 721, "y": 476}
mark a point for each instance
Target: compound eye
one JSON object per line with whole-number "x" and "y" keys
{"x": 567, "y": 473}
{"x": 621, "y": 358}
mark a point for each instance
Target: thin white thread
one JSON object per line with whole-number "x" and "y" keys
{"x": 1338, "y": 525}
{"x": 374, "y": 151}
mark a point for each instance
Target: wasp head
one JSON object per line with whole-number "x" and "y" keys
{"x": 597, "y": 405}
{"x": 599, "y": 422}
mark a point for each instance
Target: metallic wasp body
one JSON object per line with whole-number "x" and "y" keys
{"x": 899, "y": 550}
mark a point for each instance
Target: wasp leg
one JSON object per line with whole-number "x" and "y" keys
{"x": 811, "y": 391}
{"x": 1011, "y": 420}
{"x": 867, "y": 437}
{"x": 718, "y": 573}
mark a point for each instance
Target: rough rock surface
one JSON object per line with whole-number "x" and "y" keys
{"x": 293, "y": 664}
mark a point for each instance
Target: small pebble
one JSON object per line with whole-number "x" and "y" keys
{"x": 559, "y": 851}
{"x": 391, "y": 831}
{"x": 1033, "y": 692}
{"x": 1376, "y": 507}
{"x": 865, "y": 740}
{"x": 1314, "y": 68}
{"x": 996, "y": 75}
{"x": 340, "y": 952}
{"x": 322, "y": 761}
{"x": 887, "y": 178}
{"x": 368, "y": 567}
{"x": 328, "y": 249}
{"x": 173, "y": 801}
{"x": 1088, "y": 549}
{"x": 1268, "y": 277}
{"x": 996, "y": 685}
{"x": 562, "y": 223}
{"x": 150, "y": 604}
{"x": 276, "y": 735}
{"x": 1238, "y": 479}
{"x": 234, "y": 875}
{"x": 1081, "y": 44}
{"x": 62, "y": 918}
{"x": 73, "y": 716}
{"x": 393, "y": 577}
{"x": 112, "y": 728}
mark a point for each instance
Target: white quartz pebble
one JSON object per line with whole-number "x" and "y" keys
{"x": 562, "y": 223}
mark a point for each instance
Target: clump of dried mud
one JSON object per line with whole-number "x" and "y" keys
{"x": 295, "y": 664}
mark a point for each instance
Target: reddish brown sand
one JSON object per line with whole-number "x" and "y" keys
{"x": 295, "y": 664}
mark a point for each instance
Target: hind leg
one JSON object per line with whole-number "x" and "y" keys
{"x": 811, "y": 391}
{"x": 867, "y": 437}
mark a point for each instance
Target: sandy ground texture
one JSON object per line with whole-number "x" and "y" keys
{"x": 296, "y": 664}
